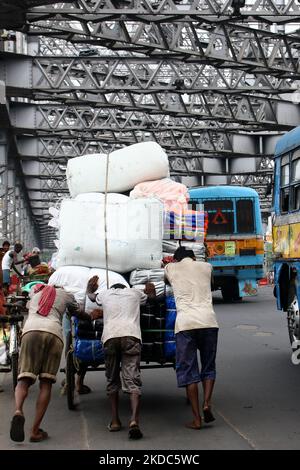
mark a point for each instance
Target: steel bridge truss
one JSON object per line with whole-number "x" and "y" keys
{"x": 213, "y": 82}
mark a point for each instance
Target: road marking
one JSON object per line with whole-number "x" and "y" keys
{"x": 85, "y": 428}
{"x": 264, "y": 333}
{"x": 235, "y": 429}
{"x": 247, "y": 327}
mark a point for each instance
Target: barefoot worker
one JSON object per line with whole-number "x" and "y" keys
{"x": 40, "y": 355}
{"x": 196, "y": 329}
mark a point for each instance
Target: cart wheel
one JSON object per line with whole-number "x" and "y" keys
{"x": 70, "y": 377}
{"x": 14, "y": 368}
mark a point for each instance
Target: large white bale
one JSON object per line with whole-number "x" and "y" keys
{"x": 113, "y": 278}
{"x": 134, "y": 234}
{"x": 73, "y": 279}
{"x": 100, "y": 197}
{"x": 129, "y": 166}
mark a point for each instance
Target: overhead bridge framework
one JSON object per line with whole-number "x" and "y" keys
{"x": 213, "y": 83}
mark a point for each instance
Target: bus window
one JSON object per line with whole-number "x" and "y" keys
{"x": 285, "y": 171}
{"x": 220, "y": 217}
{"x": 296, "y": 198}
{"x": 296, "y": 166}
{"x": 295, "y": 179}
{"x": 285, "y": 199}
{"x": 284, "y": 182}
{"x": 244, "y": 216}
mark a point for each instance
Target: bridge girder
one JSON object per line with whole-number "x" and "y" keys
{"x": 212, "y": 85}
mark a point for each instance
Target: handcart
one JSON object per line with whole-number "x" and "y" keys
{"x": 158, "y": 344}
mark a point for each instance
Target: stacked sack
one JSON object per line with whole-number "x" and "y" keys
{"x": 101, "y": 228}
{"x": 114, "y": 231}
{"x": 88, "y": 347}
{"x": 182, "y": 225}
{"x": 154, "y": 316}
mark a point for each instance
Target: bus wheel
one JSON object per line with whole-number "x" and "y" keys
{"x": 230, "y": 292}
{"x": 293, "y": 315}
{"x": 226, "y": 293}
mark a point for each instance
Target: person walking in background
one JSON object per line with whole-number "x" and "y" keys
{"x": 40, "y": 355}
{"x": 122, "y": 345}
{"x": 3, "y": 251}
{"x": 9, "y": 261}
{"x": 196, "y": 328}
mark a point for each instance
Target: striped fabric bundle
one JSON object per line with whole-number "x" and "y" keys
{"x": 185, "y": 225}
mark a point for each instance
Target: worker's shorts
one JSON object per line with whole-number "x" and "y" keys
{"x": 40, "y": 356}
{"x": 187, "y": 345}
{"x": 6, "y": 276}
{"x": 123, "y": 356}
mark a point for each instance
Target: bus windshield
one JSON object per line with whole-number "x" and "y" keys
{"x": 221, "y": 216}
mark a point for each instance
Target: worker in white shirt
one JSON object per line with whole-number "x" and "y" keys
{"x": 9, "y": 261}
{"x": 122, "y": 345}
{"x": 196, "y": 328}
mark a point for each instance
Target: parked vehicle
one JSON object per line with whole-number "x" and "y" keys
{"x": 234, "y": 238}
{"x": 286, "y": 229}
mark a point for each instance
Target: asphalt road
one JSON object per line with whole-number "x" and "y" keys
{"x": 256, "y": 401}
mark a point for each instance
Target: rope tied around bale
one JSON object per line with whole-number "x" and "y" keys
{"x": 105, "y": 220}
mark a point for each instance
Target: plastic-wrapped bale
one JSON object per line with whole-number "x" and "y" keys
{"x": 170, "y": 246}
{"x": 170, "y": 350}
{"x": 89, "y": 329}
{"x": 158, "y": 352}
{"x": 159, "y": 327}
{"x": 147, "y": 352}
{"x": 159, "y": 288}
{"x": 134, "y": 234}
{"x": 113, "y": 278}
{"x": 170, "y": 319}
{"x": 139, "y": 277}
{"x": 90, "y": 351}
{"x": 186, "y": 225}
{"x": 90, "y": 325}
{"x": 145, "y": 161}
{"x": 174, "y": 195}
{"x": 73, "y": 279}
{"x": 75, "y": 276}
{"x": 112, "y": 198}
{"x": 169, "y": 340}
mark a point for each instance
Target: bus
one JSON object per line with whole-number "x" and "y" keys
{"x": 234, "y": 238}
{"x": 286, "y": 229}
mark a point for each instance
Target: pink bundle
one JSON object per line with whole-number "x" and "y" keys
{"x": 174, "y": 195}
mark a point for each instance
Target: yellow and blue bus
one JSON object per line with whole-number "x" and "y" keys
{"x": 234, "y": 238}
{"x": 286, "y": 228}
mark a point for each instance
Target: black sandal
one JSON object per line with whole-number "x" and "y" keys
{"x": 17, "y": 428}
{"x": 84, "y": 390}
{"x": 135, "y": 432}
{"x": 208, "y": 416}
